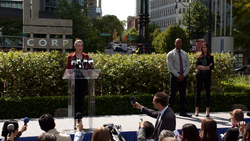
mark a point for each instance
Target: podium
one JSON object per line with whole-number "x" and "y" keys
{"x": 90, "y": 75}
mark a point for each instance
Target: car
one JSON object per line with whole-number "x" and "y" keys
{"x": 108, "y": 47}
{"x": 120, "y": 49}
{"x": 133, "y": 51}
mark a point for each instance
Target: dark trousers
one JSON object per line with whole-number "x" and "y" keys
{"x": 174, "y": 84}
{"x": 81, "y": 86}
{"x": 206, "y": 79}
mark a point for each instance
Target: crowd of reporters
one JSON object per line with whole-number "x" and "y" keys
{"x": 239, "y": 131}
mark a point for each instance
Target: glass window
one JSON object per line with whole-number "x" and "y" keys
{"x": 184, "y": 10}
{"x": 179, "y": 21}
{"x": 179, "y": 10}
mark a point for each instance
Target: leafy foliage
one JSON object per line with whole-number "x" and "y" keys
{"x": 12, "y": 27}
{"x": 134, "y": 33}
{"x": 40, "y": 74}
{"x": 104, "y": 105}
{"x": 108, "y": 23}
{"x": 154, "y": 31}
{"x": 33, "y": 74}
{"x": 241, "y": 24}
{"x": 199, "y": 19}
{"x": 81, "y": 26}
{"x": 164, "y": 42}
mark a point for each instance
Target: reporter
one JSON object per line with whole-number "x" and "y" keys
{"x": 79, "y": 134}
{"x": 101, "y": 134}
{"x": 16, "y": 133}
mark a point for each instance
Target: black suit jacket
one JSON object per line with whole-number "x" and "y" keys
{"x": 231, "y": 134}
{"x": 167, "y": 121}
{"x": 199, "y": 62}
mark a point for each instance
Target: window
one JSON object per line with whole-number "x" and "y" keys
{"x": 179, "y": 21}
{"x": 179, "y": 10}
{"x": 184, "y": 10}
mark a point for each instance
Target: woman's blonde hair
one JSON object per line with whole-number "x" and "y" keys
{"x": 77, "y": 40}
{"x": 101, "y": 134}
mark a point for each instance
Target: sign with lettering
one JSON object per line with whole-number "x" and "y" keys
{"x": 32, "y": 24}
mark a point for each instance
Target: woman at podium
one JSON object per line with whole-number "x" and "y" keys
{"x": 81, "y": 85}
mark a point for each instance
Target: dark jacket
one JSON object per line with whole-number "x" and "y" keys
{"x": 232, "y": 134}
{"x": 73, "y": 55}
{"x": 167, "y": 121}
{"x": 199, "y": 62}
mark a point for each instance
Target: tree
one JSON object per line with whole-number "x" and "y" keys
{"x": 154, "y": 31}
{"x": 133, "y": 33}
{"x": 81, "y": 25}
{"x": 108, "y": 23}
{"x": 164, "y": 42}
{"x": 199, "y": 19}
{"x": 12, "y": 27}
{"x": 241, "y": 14}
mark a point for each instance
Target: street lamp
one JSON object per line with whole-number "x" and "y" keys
{"x": 189, "y": 20}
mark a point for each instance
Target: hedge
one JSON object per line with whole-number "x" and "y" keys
{"x": 34, "y": 107}
{"x": 40, "y": 73}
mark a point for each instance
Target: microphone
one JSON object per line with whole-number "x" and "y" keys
{"x": 79, "y": 116}
{"x": 132, "y": 99}
{"x": 248, "y": 114}
{"x": 73, "y": 61}
{"x": 85, "y": 62}
{"x": 10, "y": 128}
{"x": 26, "y": 120}
{"x": 91, "y": 62}
{"x": 78, "y": 63}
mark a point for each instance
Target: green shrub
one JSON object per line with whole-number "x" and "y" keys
{"x": 34, "y": 107}
{"x": 30, "y": 106}
{"x": 33, "y": 74}
{"x": 40, "y": 73}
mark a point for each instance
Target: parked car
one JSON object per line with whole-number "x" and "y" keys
{"x": 120, "y": 49}
{"x": 133, "y": 51}
{"x": 108, "y": 47}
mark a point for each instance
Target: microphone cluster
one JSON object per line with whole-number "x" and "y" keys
{"x": 82, "y": 63}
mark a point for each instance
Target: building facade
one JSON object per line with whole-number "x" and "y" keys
{"x": 12, "y": 3}
{"x": 133, "y": 22}
{"x": 94, "y": 6}
{"x": 166, "y": 13}
{"x": 45, "y": 5}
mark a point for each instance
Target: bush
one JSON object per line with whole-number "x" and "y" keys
{"x": 33, "y": 74}
{"x": 40, "y": 73}
{"x": 34, "y": 107}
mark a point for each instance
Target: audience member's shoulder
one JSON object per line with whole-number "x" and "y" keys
{"x": 236, "y": 129}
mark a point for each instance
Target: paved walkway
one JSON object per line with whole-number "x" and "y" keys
{"x": 128, "y": 122}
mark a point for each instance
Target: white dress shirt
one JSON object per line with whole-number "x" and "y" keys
{"x": 174, "y": 63}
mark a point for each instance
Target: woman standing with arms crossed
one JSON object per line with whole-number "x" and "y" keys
{"x": 81, "y": 85}
{"x": 204, "y": 65}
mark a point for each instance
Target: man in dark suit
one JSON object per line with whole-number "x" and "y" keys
{"x": 232, "y": 133}
{"x": 165, "y": 116}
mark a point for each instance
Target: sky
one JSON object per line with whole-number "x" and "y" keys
{"x": 120, "y": 8}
